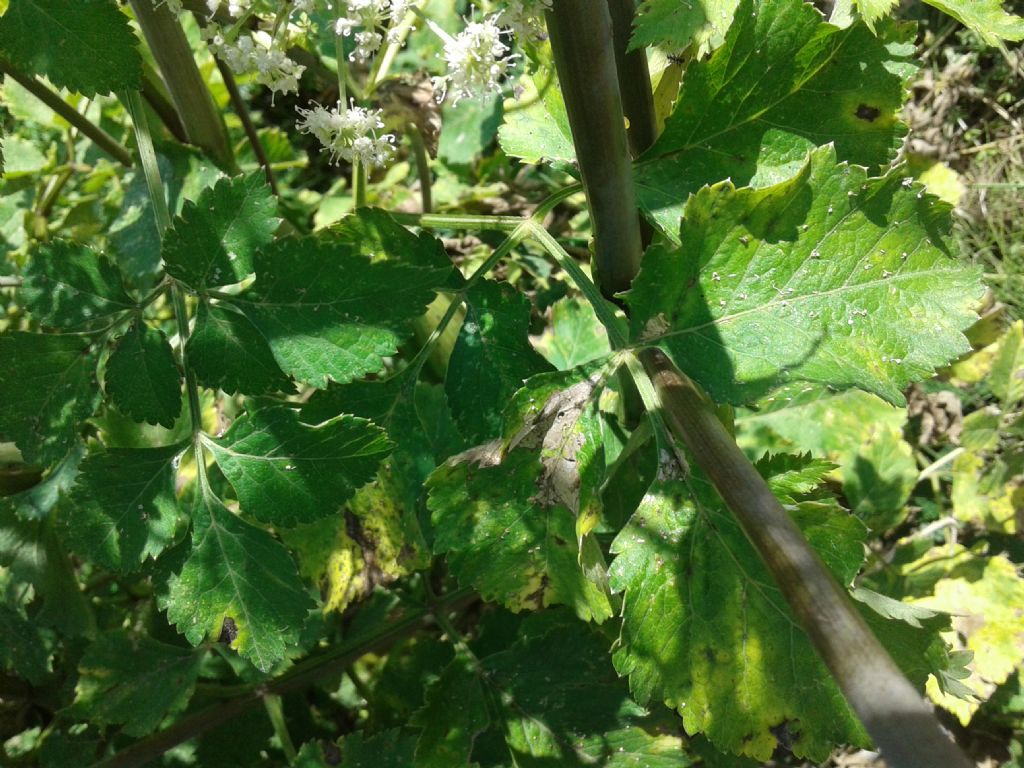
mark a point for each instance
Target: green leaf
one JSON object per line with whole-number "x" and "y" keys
{"x": 213, "y": 240}
{"x": 23, "y": 651}
{"x": 491, "y": 359}
{"x": 830, "y": 277}
{"x": 506, "y": 512}
{"x": 551, "y": 698}
{"x": 34, "y": 555}
{"x": 675, "y": 24}
{"x": 731, "y": 121}
{"x": 134, "y": 681}
{"x": 36, "y": 502}
{"x": 68, "y": 285}
{"x": 227, "y": 352}
{"x": 468, "y": 129}
{"x": 454, "y": 714}
{"x": 85, "y": 46}
{"x": 393, "y": 748}
{"x": 1007, "y": 377}
{"x": 706, "y": 630}
{"x": 123, "y": 508}
{"x": 985, "y": 17}
{"x": 48, "y": 387}
{"x": 239, "y": 585}
{"x": 332, "y": 306}
{"x": 540, "y": 130}
{"x": 860, "y": 433}
{"x": 416, "y": 418}
{"x": 574, "y": 336}
{"x": 286, "y": 472}
{"x": 142, "y": 378}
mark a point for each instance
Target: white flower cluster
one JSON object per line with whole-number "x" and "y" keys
{"x": 235, "y": 7}
{"x": 364, "y": 19}
{"x": 349, "y": 134}
{"x": 477, "y": 59}
{"x": 524, "y": 18}
{"x": 259, "y": 55}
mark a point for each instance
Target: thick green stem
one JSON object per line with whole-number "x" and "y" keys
{"x": 199, "y": 115}
{"x": 94, "y": 133}
{"x": 903, "y": 726}
{"x": 301, "y": 675}
{"x": 634, "y": 79}
{"x": 156, "y": 96}
{"x": 582, "y": 43}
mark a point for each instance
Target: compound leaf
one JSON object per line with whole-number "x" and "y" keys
{"x": 829, "y": 277}
{"x": 239, "y": 585}
{"x": 491, "y": 359}
{"x": 332, "y": 306}
{"x": 286, "y": 472}
{"x": 85, "y": 46}
{"x": 213, "y": 240}
{"x": 68, "y": 285}
{"x": 122, "y": 508}
{"x": 142, "y": 377}
{"x": 133, "y": 681}
{"x": 227, "y": 352}
{"x": 48, "y": 387}
{"x": 783, "y": 83}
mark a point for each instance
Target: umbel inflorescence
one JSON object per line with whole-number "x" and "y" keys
{"x": 253, "y": 38}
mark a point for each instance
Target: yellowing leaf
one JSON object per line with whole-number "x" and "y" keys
{"x": 985, "y": 594}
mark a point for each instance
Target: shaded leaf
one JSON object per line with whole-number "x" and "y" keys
{"x": 48, "y": 387}
{"x": 706, "y": 630}
{"x": 830, "y": 277}
{"x": 69, "y": 285}
{"x": 505, "y": 513}
{"x": 23, "y": 651}
{"x": 133, "y": 681}
{"x": 122, "y": 508}
{"x": 227, "y": 352}
{"x": 142, "y": 378}
{"x": 85, "y": 46}
{"x": 332, "y": 306}
{"x": 238, "y": 585}
{"x": 213, "y": 240}
{"x": 286, "y": 472}
{"x": 491, "y": 359}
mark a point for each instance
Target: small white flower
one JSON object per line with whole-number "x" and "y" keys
{"x": 235, "y": 7}
{"x": 525, "y": 18}
{"x": 370, "y": 16}
{"x": 257, "y": 54}
{"x": 477, "y": 60}
{"x": 349, "y": 134}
